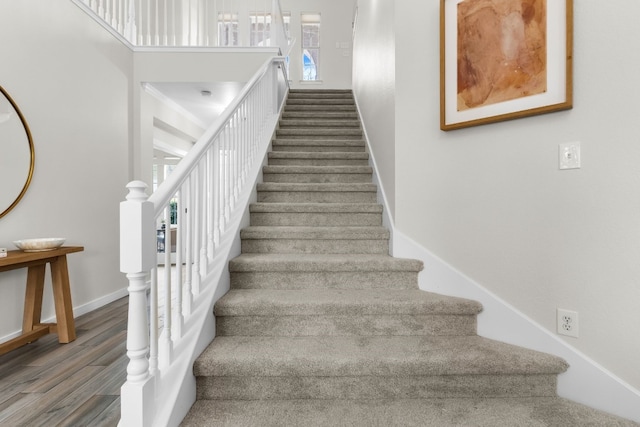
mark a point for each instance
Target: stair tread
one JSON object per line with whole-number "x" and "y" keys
{"x": 315, "y": 232}
{"x": 287, "y": 186}
{"x": 317, "y": 169}
{"x": 320, "y": 121}
{"x": 370, "y": 356}
{"x": 322, "y": 262}
{"x": 443, "y": 412}
{"x": 269, "y": 302}
{"x": 319, "y": 155}
{"x": 330, "y": 142}
{"x": 316, "y": 207}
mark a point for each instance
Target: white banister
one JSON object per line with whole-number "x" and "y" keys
{"x": 190, "y": 223}
{"x": 185, "y": 22}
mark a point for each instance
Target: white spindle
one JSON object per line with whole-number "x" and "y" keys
{"x": 153, "y": 322}
{"x": 188, "y": 236}
{"x": 166, "y": 346}
{"x": 204, "y": 243}
{"x": 180, "y": 224}
{"x": 165, "y": 23}
{"x": 156, "y": 21}
{"x": 197, "y": 224}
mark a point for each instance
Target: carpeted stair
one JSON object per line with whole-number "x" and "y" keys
{"x": 323, "y": 328}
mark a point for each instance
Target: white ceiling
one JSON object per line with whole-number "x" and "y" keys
{"x": 189, "y": 97}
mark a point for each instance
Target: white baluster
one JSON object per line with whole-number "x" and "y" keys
{"x": 197, "y": 225}
{"x": 215, "y": 196}
{"x": 180, "y": 221}
{"x": 153, "y": 322}
{"x": 166, "y": 345}
{"x": 204, "y": 173}
{"x": 165, "y": 25}
{"x": 156, "y": 20}
{"x": 211, "y": 238}
{"x": 188, "y": 237}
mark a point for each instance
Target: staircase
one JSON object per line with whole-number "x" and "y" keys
{"x": 322, "y": 327}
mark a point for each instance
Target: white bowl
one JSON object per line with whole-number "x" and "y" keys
{"x": 38, "y": 245}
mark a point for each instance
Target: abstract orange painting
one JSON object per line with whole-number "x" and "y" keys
{"x": 502, "y": 59}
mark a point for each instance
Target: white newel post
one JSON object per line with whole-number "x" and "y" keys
{"x": 137, "y": 258}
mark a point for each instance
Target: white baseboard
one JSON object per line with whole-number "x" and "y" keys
{"x": 79, "y": 311}
{"x": 584, "y": 382}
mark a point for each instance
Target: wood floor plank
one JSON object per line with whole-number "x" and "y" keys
{"x": 62, "y": 370}
{"x": 115, "y": 353}
{"x": 116, "y": 376}
{"x": 34, "y": 413}
{"x": 72, "y": 401}
{"x": 15, "y": 404}
{"x": 109, "y": 417}
{"x": 88, "y": 411}
{"x": 46, "y": 383}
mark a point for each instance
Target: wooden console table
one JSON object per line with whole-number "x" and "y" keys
{"x": 36, "y": 263}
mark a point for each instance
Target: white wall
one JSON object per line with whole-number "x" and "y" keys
{"x": 71, "y": 80}
{"x": 335, "y": 27}
{"x": 374, "y": 82}
{"x": 491, "y": 202}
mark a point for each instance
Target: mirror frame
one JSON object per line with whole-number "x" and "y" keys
{"x": 31, "y": 150}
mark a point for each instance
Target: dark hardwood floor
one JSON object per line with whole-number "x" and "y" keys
{"x": 77, "y": 384}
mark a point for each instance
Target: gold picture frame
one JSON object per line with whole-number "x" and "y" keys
{"x": 504, "y": 59}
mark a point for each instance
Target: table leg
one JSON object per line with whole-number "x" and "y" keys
{"x": 62, "y": 298}
{"x": 33, "y": 298}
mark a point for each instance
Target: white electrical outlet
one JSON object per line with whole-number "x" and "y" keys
{"x": 569, "y": 155}
{"x": 568, "y": 323}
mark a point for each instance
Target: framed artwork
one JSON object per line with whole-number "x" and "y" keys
{"x": 504, "y": 59}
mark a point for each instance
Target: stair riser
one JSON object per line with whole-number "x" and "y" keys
{"x": 316, "y": 197}
{"x": 317, "y": 122}
{"x": 303, "y": 246}
{"x": 320, "y": 108}
{"x": 324, "y": 280}
{"x": 340, "y": 133}
{"x": 340, "y": 115}
{"x": 310, "y": 148}
{"x": 320, "y": 101}
{"x": 375, "y": 387}
{"x": 309, "y": 96}
{"x": 346, "y": 325}
{"x": 319, "y": 219}
{"x": 318, "y": 162}
{"x": 317, "y": 178}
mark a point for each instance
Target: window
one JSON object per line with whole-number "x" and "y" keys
{"x": 310, "y": 46}
{"x": 260, "y": 34}
{"x": 227, "y": 29}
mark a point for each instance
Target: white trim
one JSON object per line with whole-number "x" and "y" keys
{"x": 103, "y": 24}
{"x": 585, "y": 382}
{"x": 80, "y": 310}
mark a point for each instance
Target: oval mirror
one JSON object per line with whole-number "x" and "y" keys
{"x": 17, "y": 156}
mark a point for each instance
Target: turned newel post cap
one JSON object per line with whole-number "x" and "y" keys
{"x": 137, "y": 191}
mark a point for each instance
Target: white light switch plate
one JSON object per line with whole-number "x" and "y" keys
{"x": 569, "y": 155}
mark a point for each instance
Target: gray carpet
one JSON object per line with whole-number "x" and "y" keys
{"x": 323, "y": 328}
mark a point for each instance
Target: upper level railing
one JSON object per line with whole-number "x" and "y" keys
{"x": 198, "y": 211}
{"x": 195, "y": 23}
